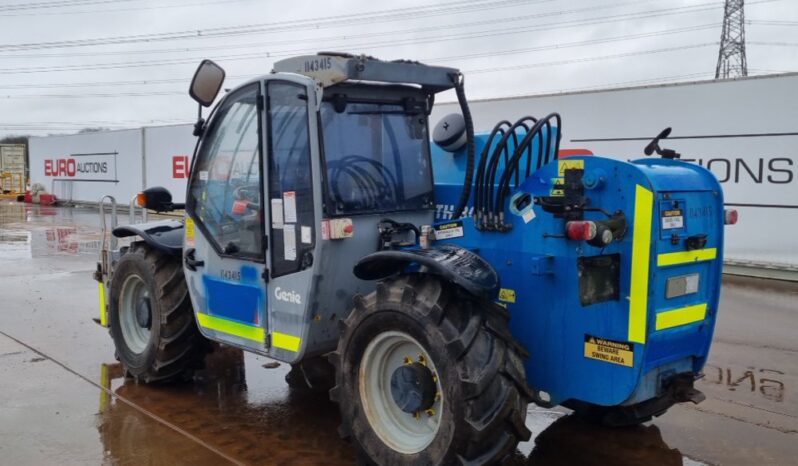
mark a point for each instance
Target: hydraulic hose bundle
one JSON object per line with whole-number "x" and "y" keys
{"x": 489, "y": 199}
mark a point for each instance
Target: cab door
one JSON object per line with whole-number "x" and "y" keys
{"x": 293, "y": 205}
{"x": 225, "y": 245}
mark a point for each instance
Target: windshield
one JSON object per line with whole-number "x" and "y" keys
{"x": 377, "y": 159}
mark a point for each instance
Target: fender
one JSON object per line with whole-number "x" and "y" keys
{"x": 452, "y": 263}
{"x": 164, "y": 235}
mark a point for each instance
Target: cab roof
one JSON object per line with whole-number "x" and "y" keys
{"x": 329, "y": 68}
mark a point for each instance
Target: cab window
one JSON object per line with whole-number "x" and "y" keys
{"x": 290, "y": 183}
{"x": 225, "y": 192}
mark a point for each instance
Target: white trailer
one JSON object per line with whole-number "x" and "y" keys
{"x": 744, "y": 130}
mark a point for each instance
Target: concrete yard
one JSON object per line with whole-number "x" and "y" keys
{"x": 64, "y": 400}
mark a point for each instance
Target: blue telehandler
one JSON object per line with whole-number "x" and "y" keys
{"x": 434, "y": 289}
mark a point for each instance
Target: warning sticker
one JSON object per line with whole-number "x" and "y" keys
{"x": 289, "y": 206}
{"x": 506, "y": 294}
{"x": 673, "y": 218}
{"x": 615, "y": 352}
{"x": 449, "y": 230}
{"x": 555, "y": 190}
{"x": 563, "y": 165}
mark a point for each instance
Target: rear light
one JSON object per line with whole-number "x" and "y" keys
{"x": 730, "y": 216}
{"x": 583, "y": 230}
{"x": 141, "y": 200}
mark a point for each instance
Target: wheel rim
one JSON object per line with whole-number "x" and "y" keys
{"x": 135, "y": 328}
{"x": 404, "y": 432}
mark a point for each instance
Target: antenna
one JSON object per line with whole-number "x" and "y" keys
{"x": 731, "y": 57}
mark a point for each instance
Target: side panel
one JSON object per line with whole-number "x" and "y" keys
{"x": 595, "y": 320}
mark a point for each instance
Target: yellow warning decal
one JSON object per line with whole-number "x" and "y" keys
{"x": 614, "y": 352}
{"x": 506, "y": 294}
{"x": 681, "y": 316}
{"x": 563, "y": 165}
{"x": 686, "y": 257}
{"x": 189, "y": 231}
{"x": 285, "y": 341}
{"x": 555, "y": 191}
{"x": 231, "y": 327}
{"x": 103, "y": 308}
{"x": 641, "y": 250}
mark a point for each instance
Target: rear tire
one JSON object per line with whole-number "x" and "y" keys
{"x": 480, "y": 400}
{"x": 151, "y": 319}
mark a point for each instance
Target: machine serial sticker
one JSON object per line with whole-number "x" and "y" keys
{"x": 614, "y": 352}
{"x": 449, "y": 230}
{"x": 506, "y": 294}
{"x": 673, "y": 218}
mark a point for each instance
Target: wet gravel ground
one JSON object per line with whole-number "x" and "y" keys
{"x": 64, "y": 400}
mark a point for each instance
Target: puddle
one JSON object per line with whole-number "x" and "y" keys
{"x": 250, "y": 414}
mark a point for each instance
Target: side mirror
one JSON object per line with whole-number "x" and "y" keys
{"x": 158, "y": 199}
{"x": 206, "y": 83}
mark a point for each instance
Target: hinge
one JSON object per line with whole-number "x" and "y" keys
{"x": 265, "y": 275}
{"x": 267, "y": 342}
{"x": 262, "y": 103}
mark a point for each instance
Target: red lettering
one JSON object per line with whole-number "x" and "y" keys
{"x": 61, "y": 167}
{"x": 71, "y": 167}
{"x": 180, "y": 166}
{"x": 48, "y": 167}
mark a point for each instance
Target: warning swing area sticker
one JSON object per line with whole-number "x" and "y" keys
{"x": 615, "y": 352}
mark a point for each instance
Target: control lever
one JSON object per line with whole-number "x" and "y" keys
{"x": 653, "y": 146}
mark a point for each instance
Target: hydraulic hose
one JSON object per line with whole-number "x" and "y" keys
{"x": 504, "y": 181}
{"x": 459, "y": 88}
{"x": 479, "y": 205}
{"x": 486, "y": 200}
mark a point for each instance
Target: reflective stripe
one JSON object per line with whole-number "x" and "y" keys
{"x": 681, "y": 316}
{"x": 285, "y": 341}
{"x": 641, "y": 251}
{"x": 231, "y": 327}
{"x": 103, "y": 310}
{"x": 686, "y": 257}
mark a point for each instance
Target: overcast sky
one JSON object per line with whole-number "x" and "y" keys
{"x": 69, "y": 64}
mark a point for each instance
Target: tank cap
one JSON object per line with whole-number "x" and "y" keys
{"x": 450, "y": 133}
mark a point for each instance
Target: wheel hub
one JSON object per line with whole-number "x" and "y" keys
{"x": 413, "y": 387}
{"x": 144, "y": 312}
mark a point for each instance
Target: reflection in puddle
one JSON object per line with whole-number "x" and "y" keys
{"x": 764, "y": 381}
{"x": 248, "y": 413}
{"x": 38, "y": 231}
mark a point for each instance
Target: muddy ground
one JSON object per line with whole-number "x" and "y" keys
{"x": 63, "y": 399}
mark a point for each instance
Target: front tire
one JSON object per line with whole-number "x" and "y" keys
{"x": 151, "y": 319}
{"x": 426, "y": 375}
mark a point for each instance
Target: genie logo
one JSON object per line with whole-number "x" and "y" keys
{"x": 287, "y": 296}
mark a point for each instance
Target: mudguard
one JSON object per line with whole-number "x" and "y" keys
{"x": 163, "y": 235}
{"x": 452, "y": 263}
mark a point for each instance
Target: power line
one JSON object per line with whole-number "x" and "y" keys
{"x": 58, "y": 4}
{"x": 392, "y": 33}
{"x": 467, "y": 72}
{"x": 116, "y": 10}
{"x": 392, "y": 43}
{"x": 395, "y": 14}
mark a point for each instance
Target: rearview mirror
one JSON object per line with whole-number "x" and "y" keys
{"x": 206, "y": 83}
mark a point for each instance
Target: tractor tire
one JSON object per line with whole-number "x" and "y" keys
{"x": 151, "y": 319}
{"x": 417, "y": 329}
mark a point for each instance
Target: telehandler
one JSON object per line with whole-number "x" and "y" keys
{"x": 448, "y": 285}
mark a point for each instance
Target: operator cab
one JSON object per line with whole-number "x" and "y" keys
{"x": 289, "y": 166}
